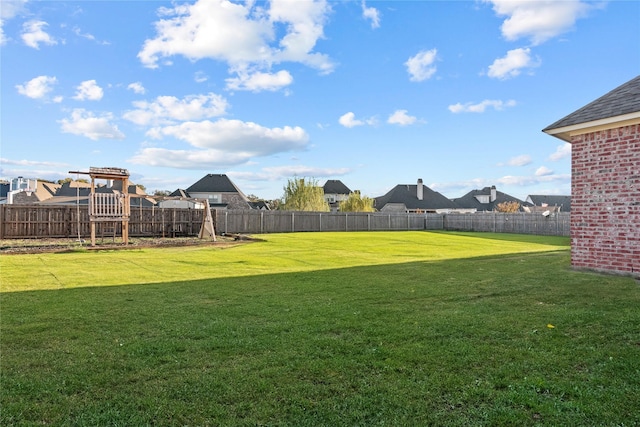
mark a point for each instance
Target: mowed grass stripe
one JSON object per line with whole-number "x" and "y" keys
{"x": 275, "y": 253}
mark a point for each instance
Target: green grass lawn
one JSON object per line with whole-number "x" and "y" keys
{"x": 320, "y": 329}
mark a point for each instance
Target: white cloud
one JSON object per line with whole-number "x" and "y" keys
{"x": 522, "y": 160}
{"x": 137, "y": 88}
{"x": 400, "y": 117}
{"x": 421, "y": 66}
{"x": 85, "y": 123}
{"x": 561, "y": 152}
{"x": 38, "y": 87}
{"x": 33, "y": 34}
{"x": 245, "y": 36}
{"x": 30, "y": 163}
{"x": 259, "y": 81}
{"x": 277, "y": 173}
{"x": 188, "y": 159}
{"x": 543, "y": 171}
{"x": 372, "y": 14}
{"x": 539, "y": 20}
{"x": 89, "y": 91}
{"x": 482, "y": 106}
{"x": 11, "y": 8}
{"x": 8, "y": 10}
{"x": 508, "y": 180}
{"x": 200, "y": 77}
{"x": 168, "y": 109}
{"x": 532, "y": 180}
{"x": 221, "y": 143}
{"x": 349, "y": 120}
{"x": 512, "y": 64}
{"x": 238, "y": 136}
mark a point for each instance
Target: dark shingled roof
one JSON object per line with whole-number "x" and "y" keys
{"x": 213, "y": 183}
{"x": 407, "y": 195}
{"x": 469, "y": 201}
{"x": 179, "y": 193}
{"x": 624, "y": 99}
{"x": 335, "y": 186}
{"x": 564, "y": 202}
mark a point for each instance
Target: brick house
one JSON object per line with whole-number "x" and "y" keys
{"x": 219, "y": 190}
{"x": 605, "y": 180}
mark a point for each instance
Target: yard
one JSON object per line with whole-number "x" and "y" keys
{"x": 319, "y": 329}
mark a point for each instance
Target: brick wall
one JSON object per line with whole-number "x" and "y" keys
{"x": 605, "y": 200}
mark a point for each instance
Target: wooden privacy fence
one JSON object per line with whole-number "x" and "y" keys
{"x": 246, "y": 221}
{"x": 33, "y": 221}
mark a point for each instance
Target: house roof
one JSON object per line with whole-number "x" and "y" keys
{"x": 564, "y": 202}
{"x": 470, "y": 200}
{"x": 179, "y": 193}
{"x": 619, "y": 105}
{"x": 335, "y": 186}
{"x": 407, "y": 195}
{"x": 214, "y": 183}
{"x": 73, "y": 188}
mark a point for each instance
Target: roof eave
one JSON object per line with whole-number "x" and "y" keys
{"x": 566, "y": 132}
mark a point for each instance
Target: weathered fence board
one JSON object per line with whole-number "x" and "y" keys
{"x": 33, "y": 221}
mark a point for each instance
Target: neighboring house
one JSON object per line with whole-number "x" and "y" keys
{"x": 219, "y": 191}
{"x": 605, "y": 180}
{"x": 335, "y": 192}
{"x": 176, "y": 202}
{"x": 485, "y": 200}
{"x": 542, "y": 203}
{"x": 260, "y": 205}
{"x": 4, "y": 191}
{"x": 20, "y": 184}
{"x": 42, "y": 191}
{"x": 77, "y": 192}
{"x": 416, "y": 198}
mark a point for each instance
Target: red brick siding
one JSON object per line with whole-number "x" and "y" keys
{"x": 605, "y": 200}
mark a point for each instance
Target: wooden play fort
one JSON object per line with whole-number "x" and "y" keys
{"x": 109, "y": 207}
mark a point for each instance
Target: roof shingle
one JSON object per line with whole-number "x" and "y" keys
{"x": 625, "y": 99}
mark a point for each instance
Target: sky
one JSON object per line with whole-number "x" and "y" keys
{"x": 371, "y": 93}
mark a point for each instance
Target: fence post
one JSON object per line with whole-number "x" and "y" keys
{"x": 293, "y": 222}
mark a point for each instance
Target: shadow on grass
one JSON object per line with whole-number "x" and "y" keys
{"x": 456, "y": 342}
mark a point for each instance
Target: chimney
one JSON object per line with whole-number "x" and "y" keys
{"x": 493, "y": 194}
{"x": 420, "y": 190}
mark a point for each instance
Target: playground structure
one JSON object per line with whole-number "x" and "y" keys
{"x": 109, "y": 207}
{"x": 115, "y": 207}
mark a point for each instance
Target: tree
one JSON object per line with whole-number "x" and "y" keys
{"x": 304, "y": 195}
{"x": 508, "y": 207}
{"x": 71, "y": 180}
{"x": 357, "y": 203}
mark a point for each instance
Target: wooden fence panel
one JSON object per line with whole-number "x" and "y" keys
{"x": 33, "y": 221}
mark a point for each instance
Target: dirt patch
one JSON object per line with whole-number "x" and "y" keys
{"x": 47, "y": 245}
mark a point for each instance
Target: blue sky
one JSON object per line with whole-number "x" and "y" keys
{"x": 373, "y": 93}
